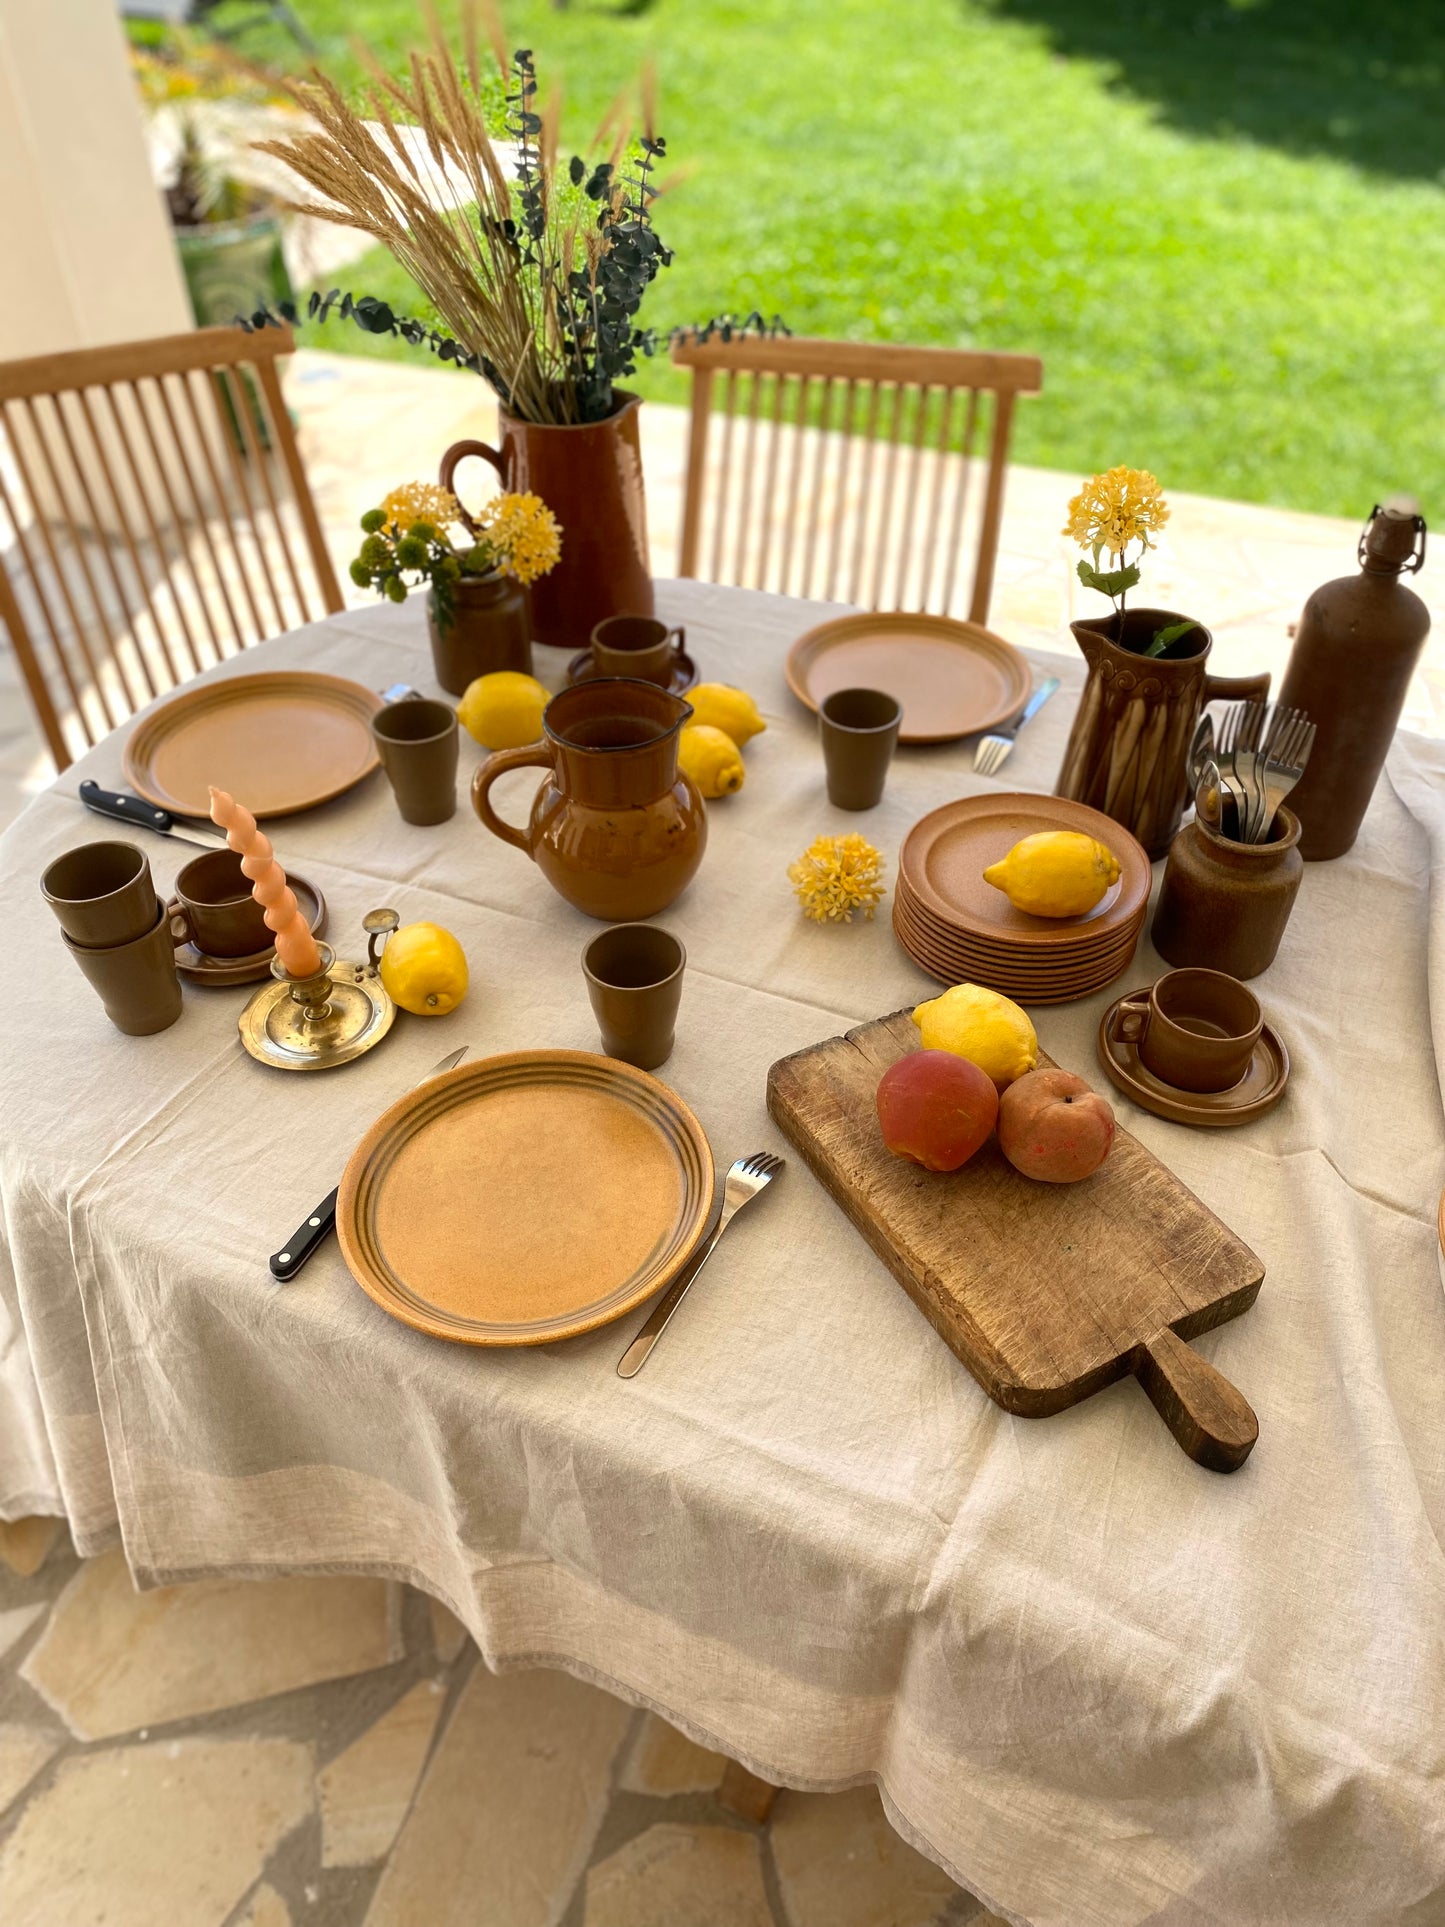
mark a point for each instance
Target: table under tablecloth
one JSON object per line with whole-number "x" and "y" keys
{"x": 1100, "y": 1685}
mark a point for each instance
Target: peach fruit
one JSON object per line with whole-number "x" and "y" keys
{"x": 936, "y": 1108}
{"x": 1052, "y": 1127}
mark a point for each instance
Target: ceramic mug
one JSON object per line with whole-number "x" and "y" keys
{"x": 136, "y": 981}
{"x": 213, "y": 908}
{"x": 417, "y": 742}
{"x": 1194, "y": 1029}
{"x": 637, "y": 646}
{"x": 101, "y": 893}
{"x": 859, "y": 731}
{"x": 634, "y": 978}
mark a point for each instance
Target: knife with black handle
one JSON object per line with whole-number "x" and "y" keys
{"x": 140, "y": 815}
{"x": 322, "y": 1222}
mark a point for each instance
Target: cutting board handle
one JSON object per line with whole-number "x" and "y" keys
{"x": 1210, "y": 1418}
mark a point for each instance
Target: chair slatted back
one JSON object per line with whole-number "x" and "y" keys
{"x": 846, "y": 470}
{"x": 154, "y": 517}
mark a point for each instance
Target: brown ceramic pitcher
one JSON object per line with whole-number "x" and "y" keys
{"x": 617, "y": 828}
{"x": 1129, "y": 747}
{"x": 590, "y": 475}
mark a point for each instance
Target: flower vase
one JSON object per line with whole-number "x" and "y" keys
{"x": 491, "y": 629}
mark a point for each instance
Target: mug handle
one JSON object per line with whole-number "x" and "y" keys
{"x": 678, "y": 638}
{"x": 452, "y": 460}
{"x": 180, "y": 923}
{"x": 1129, "y": 1020}
{"x": 530, "y": 755}
{"x": 1231, "y": 689}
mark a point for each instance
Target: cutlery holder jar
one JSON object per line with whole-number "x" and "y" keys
{"x": 1224, "y": 905}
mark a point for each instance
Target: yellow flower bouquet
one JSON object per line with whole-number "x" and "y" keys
{"x": 1110, "y": 512}
{"x": 406, "y": 544}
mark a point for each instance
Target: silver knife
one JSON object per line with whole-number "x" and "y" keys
{"x": 140, "y": 815}
{"x": 285, "y": 1264}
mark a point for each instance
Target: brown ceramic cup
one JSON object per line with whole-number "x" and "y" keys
{"x": 101, "y": 893}
{"x": 1194, "y": 1029}
{"x": 637, "y": 646}
{"x": 136, "y": 981}
{"x": 213, "y": 908}
{"x": 859, "y": 731}
{"x": 417, "y": 742}
{"x": 634, "y": 978}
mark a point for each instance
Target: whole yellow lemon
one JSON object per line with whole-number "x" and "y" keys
{"x": 424, "y": 969}
{"x": 987, "y": 1029}
{"x": 1057, "y": 873}
{"x": 503, "y": 710}
{"x": 712, "y": 759}
{"x": 717, "y": 705}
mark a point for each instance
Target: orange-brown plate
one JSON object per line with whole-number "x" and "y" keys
{"x": 1054, "y": 962}
{"x": 281, "y": 741}
{"x": 525, "y": 1198}
{"x": 952, "y": 678}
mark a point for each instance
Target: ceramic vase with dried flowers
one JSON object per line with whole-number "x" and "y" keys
{"x": 477, "y": 606}
{"x": 536, "y": 268}
{"x": 1128, "y": 750}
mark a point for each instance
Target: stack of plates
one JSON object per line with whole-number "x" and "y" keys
{"x": 963, "y": 930}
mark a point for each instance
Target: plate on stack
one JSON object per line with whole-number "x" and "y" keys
{"x": 962, "y": 930}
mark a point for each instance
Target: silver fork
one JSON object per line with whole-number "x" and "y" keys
{"x": 747, "y": 1177}
{"x": 1286, "y": 765}
{"x": 1236, "y": 740}
{"x": 988, "y": 757}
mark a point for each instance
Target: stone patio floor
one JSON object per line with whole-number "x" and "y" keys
{"x": 330, "y": 1752}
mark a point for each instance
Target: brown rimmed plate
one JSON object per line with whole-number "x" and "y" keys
{"x": 1061, "y": 960}
{"x": 995, "y": 973}
{"x": 952, "y": 678}
{"x": 281, "y": 741}
{"x": 583, "y": 668}
{"x": 946, "y": 853}
{"x": 525, "y": 1198}
{"x": 1258, "y": 1091}
{"x": 1027, "y": 994}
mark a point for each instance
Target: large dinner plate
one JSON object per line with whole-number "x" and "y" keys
{"x": 525, "y": 1198}
{"x": 280, "y": 741}
{"x": 952, "y": 678}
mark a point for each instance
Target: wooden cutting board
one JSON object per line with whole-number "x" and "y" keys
{"x": 1047, "y": 1292}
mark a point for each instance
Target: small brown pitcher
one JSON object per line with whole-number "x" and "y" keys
{"x": 617, "y": 828}
{"x": 1129, "y": 747}
{"x": 1224, "y": 905}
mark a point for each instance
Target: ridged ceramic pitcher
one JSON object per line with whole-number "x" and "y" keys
{"x": 1129, "y": 747}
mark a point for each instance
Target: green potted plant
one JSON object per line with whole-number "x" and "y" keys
{"x": 477, "y": 604}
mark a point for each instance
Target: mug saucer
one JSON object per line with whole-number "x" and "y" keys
{"x": 221, "y": 972}
{"x": 1258, "y": 1091}
{"x": 582, "y": 668}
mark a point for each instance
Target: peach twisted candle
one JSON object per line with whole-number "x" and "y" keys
{"x": 295, "y": 945}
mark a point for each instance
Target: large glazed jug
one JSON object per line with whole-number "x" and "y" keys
{"x": 1129, "y": 747}
{"x": 617, "y": 828}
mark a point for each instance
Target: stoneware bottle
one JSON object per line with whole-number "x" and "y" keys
{"x": 1354, "y": 653}
{"x": 1224, "y": 905}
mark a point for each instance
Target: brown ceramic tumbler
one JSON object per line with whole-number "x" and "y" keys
{"x": 417, "y": 742}
{"x": 102, "y": 893}
{"x": 634, "y": 978}
{"x": 1195, "y": 1029}
{"x": 137, "y": 981}
{"x": 637, "y": 646}
{"x": 859, "y": 729}
{"x": 213, "y": 908}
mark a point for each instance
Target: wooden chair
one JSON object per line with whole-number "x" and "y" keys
{"x": 842, "y": 469}
{"x": 154, "y": 517}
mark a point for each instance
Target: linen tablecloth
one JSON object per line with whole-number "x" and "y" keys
{"x": 1100, "y": 1685}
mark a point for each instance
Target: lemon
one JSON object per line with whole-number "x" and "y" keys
{"x": 503, "y": 710}
{"x": 717, "y": 705}
{"x": 711, "y": 758}
{"x": 1058, "y": 873}
{"x": 424, "y": 969}
{"x": 980, "y": 1025}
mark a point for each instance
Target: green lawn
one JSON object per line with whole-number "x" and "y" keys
{"x": 1220, "y": 222}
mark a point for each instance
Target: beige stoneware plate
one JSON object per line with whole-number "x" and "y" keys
{"x": 525, "y": 1198}
{"x": 952, "y": 678}
{"x": 281, "y": 741}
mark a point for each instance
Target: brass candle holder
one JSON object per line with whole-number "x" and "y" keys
{"x": 335, "y": 1015}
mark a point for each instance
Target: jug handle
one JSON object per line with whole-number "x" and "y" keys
{"x": 538, "y": 755}
{"x": 1230, "y": 689}
{"x": 452, "y": 461}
